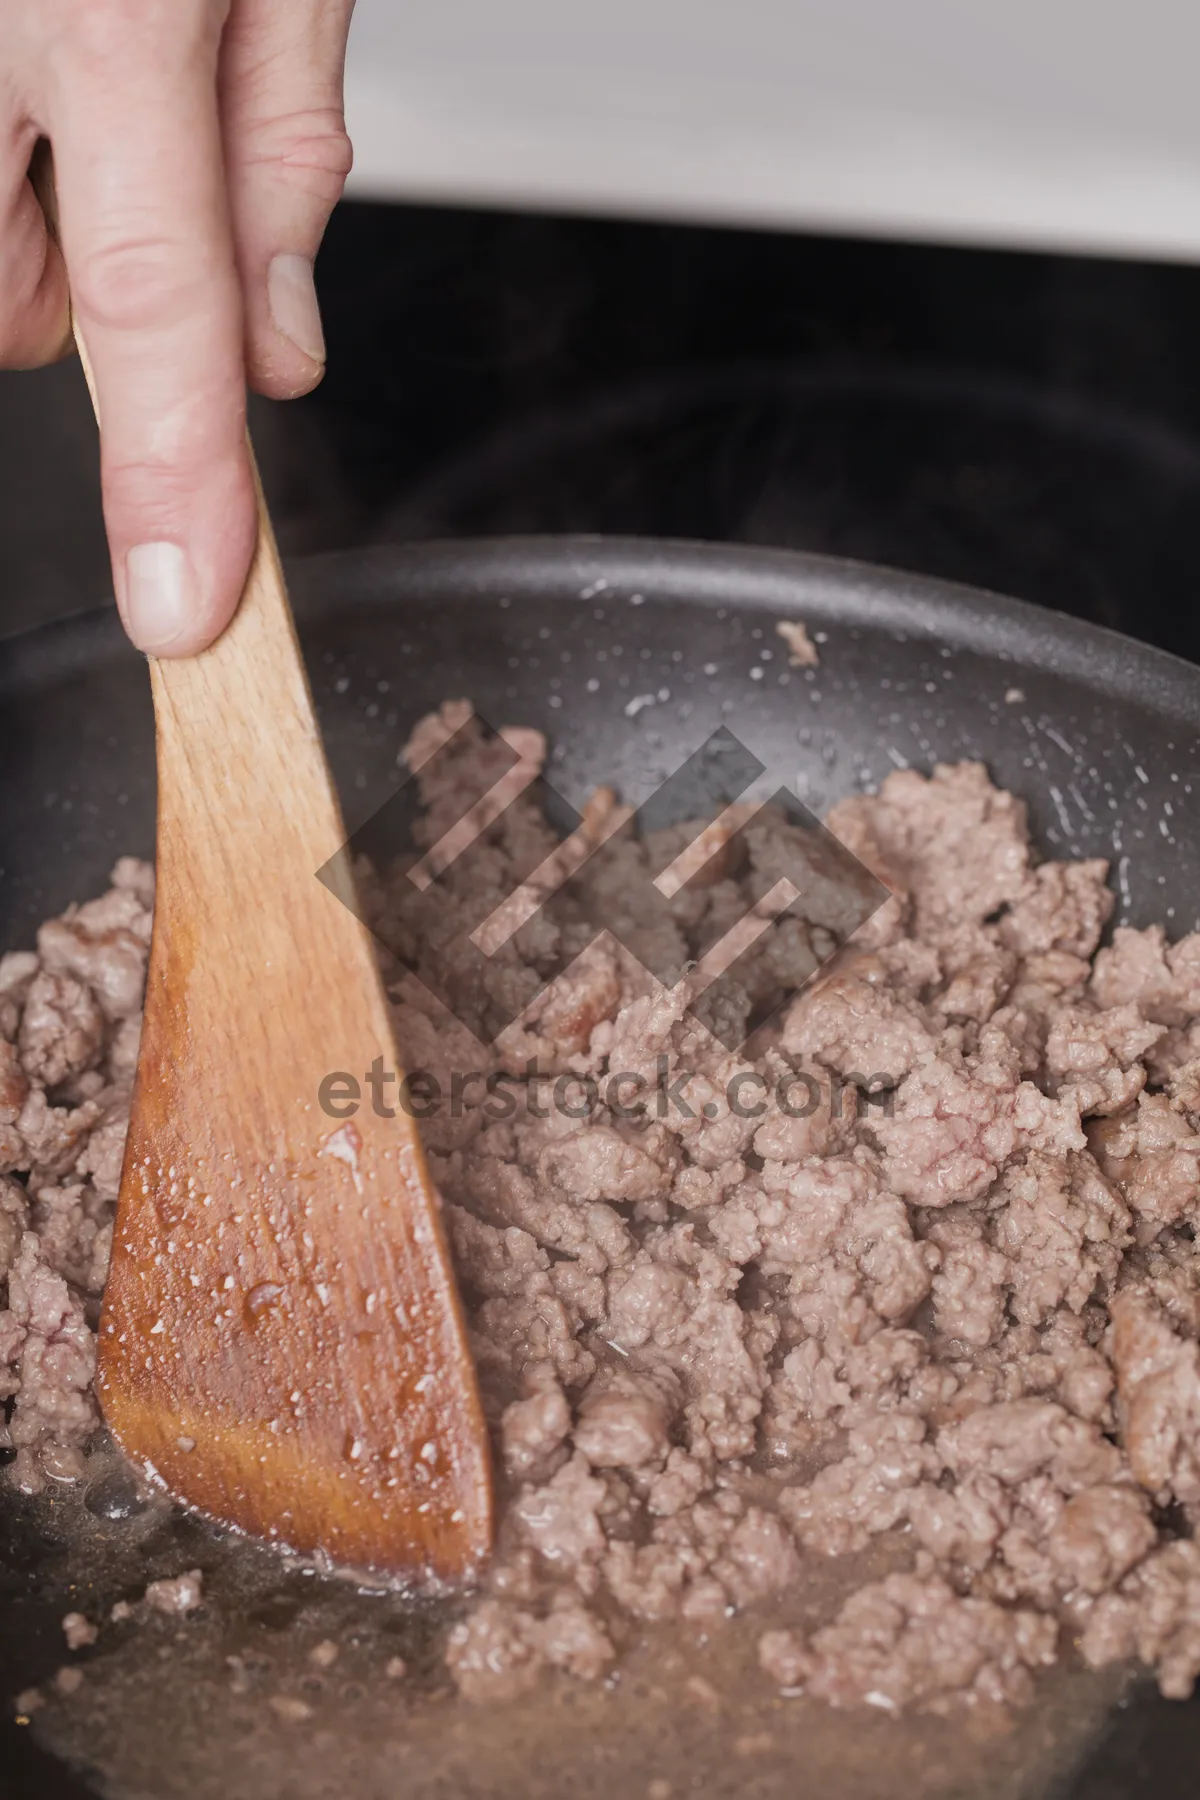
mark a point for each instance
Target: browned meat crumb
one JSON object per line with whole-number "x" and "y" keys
{"x": 961, "y": 1312}
{"x": 1154, "y": 1614}
{"x": 911, "y": 1642}
{"x": 501, "y": 1650}
{"x": 176, "y": 1596}
{"x": 290, "y": 1708}
{"x": 69, "y": 1015}
{"x": 1158, "y": 1397}
{"x": 802, "y": 652}
{"x": 50, "y": 1351}
{"x": 62, "y": 1029}
{"x": 78, "y": 1631}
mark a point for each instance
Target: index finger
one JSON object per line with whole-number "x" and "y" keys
{"x": 146, "y": 236}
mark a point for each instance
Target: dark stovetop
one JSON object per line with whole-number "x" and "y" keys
{"x": 1027, "y": 423}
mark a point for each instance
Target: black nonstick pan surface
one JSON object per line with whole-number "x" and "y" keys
{"x": 628, "y": 654}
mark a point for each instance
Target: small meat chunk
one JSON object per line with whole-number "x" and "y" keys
{"x": 79, "y": 1631}
{"x": 624, "y": 1424}
{"x": 1158, "y": 1398}
{"x": 62, "y": 1029}
{"x": 599, "y": 1164}
{"x": 1154, "y": 1614}
{"x": 14, "y": 1222}
{"x": 852, "y": 1022}
{"x": 867, "y": 1491}
{"x": 177, "y": 1595}
{"x": 908, "y": 1641}
{"x": 1139, "y": 968}
{"x": 104, "y": 944}
{"x": 491, "y": 1654}
{"x": 1016, "y": 1439}
{"x": 1101, "y": 1534}
{"x": 534, "y": 1430}
{"x": 46, "y": 1341}
{"x": 499, "y": 1651}
{"x": 1061, "y": 906}
{"x": 1152, "y": 1156}
{"x": 1062, "y": 1230}
{"x": 1097, "y": 1055}
{"x": 802, "y": 652}
{"x": 957, "y": 844}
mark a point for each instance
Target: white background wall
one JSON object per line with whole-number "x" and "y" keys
{"x": 1028, "y": 122}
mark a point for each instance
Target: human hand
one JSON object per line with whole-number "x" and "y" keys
{"x": 199, "y": 148}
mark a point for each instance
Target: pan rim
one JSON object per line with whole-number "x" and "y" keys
{"x": 829, "y": 590}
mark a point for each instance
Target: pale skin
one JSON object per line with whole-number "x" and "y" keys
{"x": 199, "y": 148}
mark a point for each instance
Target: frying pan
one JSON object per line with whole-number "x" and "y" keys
{"x": 628, "y": 654}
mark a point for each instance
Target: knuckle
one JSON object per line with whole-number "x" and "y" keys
{"x": 309, "y": 149}
{"x": 159, "y": 461}
{"x": 148, "y": 497}
{"x": 132, "y": 283}
{"x": 167, "y": 449}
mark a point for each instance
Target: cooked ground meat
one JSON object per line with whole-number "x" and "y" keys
{"x": 68, "y": 1016}
{"x": 802, "y": 652}
{"x": 912, "y": 1641}
{"x": 731, "y": 1311}
{"x": 176, "y": 1595}
{"x": 79, "y": 1631}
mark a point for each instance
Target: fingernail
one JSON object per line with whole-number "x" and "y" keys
{"x": 160, "y": 596}
{"x": 293, "y": 302}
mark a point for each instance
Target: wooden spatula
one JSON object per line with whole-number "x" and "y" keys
{"x": 281, "y": 1342}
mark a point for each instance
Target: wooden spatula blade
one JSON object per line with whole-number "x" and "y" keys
{"x": 281, "y": 1341}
